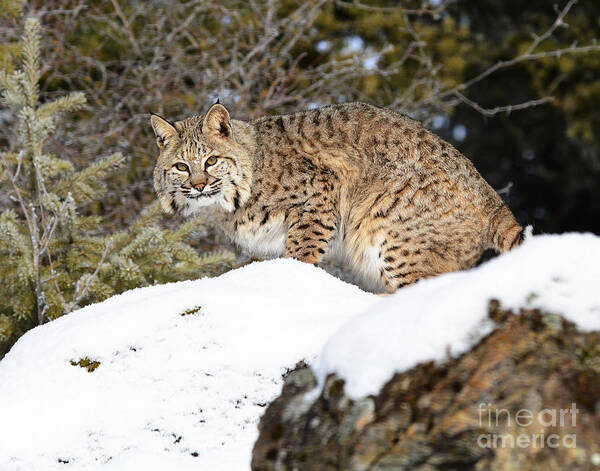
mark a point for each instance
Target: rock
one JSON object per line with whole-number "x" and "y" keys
{"x": 526, "y": 397}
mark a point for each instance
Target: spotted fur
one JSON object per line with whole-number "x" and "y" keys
{"x": 395, "y": 202}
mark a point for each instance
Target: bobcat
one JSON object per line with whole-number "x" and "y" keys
{"x": 354, "y": 182}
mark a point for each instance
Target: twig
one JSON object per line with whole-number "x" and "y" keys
{"x": 503, "y": 109}
{"x": 49, "y": 229}
{"x": 121, "y": 16}
{"x": 559, "y": 21}
{"x": 506, "y": 189}
{"x": 434, "y": 12}
{"x": 79, "y": 296}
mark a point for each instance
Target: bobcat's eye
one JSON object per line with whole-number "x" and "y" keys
{"x": 182, "y": 167}
{"x": 210, "y": 161}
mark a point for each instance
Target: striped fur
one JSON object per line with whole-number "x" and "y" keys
{"x": 355, "y": 182}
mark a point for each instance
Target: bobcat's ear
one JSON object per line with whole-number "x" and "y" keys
{"x": 216, "y": 122}
{"x": 164, "y": 129}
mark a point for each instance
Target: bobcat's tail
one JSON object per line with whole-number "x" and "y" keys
{"x": 505, "y": 232}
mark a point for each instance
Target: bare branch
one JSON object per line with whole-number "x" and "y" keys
{"x": 503, "y": 109}
{"x": 80, "y": 294}
{"x": 125, "y": 21}
{"x": 50, "y": 228}
{"x": 558, "y": 22}
{"x": 424, "y": 10}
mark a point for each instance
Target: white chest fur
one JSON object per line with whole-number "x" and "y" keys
{"x": 263, "y": 240}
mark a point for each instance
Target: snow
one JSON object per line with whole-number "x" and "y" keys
{"x": 204, "y": 377}
{"x": 448, "y": 314}
{"x": 186, "y": 392}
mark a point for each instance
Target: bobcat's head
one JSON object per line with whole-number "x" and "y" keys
{"x": 200, "y": 163}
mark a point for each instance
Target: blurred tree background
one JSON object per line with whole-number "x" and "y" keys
{"x": 176, "y": 57}
{"x": 514, "y": 85}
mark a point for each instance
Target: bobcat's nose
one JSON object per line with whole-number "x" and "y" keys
{"x": 199, "y": 185}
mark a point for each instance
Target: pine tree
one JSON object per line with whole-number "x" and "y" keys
{"x": 54, "y": 258}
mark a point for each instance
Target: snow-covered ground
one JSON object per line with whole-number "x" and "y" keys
{"x": 168, "y": 386}
{"x": 182, "y": 392}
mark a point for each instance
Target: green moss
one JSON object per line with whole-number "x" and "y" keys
{"x": 86, "y": 363}
{"x": 192, "y": 310}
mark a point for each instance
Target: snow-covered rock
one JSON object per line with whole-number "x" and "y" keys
{"x": 523, "y": 398}
{"x": 417, "y": 383}
{"x": 448, "y": 314}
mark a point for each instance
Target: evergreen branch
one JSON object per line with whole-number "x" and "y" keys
{"x": 213, "y": 259}
{"x": 10, "y": 158}
{"x": 184, "y": 230}
{"x": 31, "y": 57}
{"x": 16, "y": 190}
{"x": 13, "y": 91}
{"x": 54, "y": 278}
{"x": 71, "y": 102}
{"x": 85, "y": 184}
{"x": 52, "y": 166}
{"x": 148, "y": 216}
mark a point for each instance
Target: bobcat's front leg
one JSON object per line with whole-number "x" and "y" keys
{"x": 311, "y": 228}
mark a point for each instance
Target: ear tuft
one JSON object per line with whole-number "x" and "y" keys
{"x": 164, "y": 129}
{"x": 217, "y": 122}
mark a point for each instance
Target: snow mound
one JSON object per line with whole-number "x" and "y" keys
{"x": 448, "y": 314}
{"x": 171, "y": 391}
